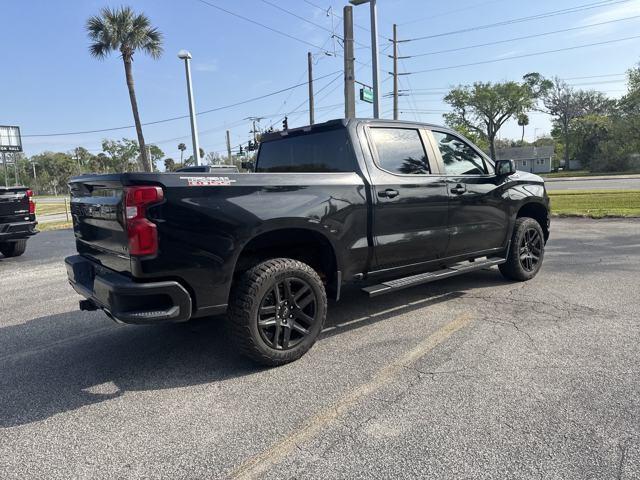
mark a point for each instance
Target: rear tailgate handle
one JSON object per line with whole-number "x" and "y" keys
{"x": 459, "y": 189}
{"x": 388, "y": 193}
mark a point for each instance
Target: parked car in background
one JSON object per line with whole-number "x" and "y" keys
{"x": 17, "y": 220}
{"x": 382, "y": 205}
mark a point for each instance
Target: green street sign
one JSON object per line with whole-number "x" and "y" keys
{"x": 366, "y": 94}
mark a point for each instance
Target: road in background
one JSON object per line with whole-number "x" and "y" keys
{"x": 598, "y": 183}
{"x": 465, "y": 378}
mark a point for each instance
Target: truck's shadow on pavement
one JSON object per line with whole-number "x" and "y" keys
{"x": 59, "y": 363}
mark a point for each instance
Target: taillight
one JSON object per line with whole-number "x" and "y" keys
{"x": 32, "y": 204}
{"x": 143, "y": 235}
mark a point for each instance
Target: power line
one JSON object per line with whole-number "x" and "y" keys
{"x": 523, "y": 56}
{"x": 255, "y": 22}
{"x": 535, "y": 35}
{"x": 564, "y": 11}
{"x": 216, "y": 109}
{"x": 438, "y": 90}
{"x": 331, "y": 12}
{"x": 450, "y": 12}
{"x": 317, "y": 25}
{"x": 595, "y": 76}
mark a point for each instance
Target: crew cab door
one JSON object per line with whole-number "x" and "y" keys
{"x": 409, "y": 198}
{"x": 478, "y": 214}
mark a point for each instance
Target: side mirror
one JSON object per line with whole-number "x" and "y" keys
{"x": 505, "y": 167}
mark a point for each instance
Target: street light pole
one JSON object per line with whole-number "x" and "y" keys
{"x": 374, "y": 53}
{"x": 186, "y": 56}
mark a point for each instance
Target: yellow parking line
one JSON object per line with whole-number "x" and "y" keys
{"x": 260, "y": 463}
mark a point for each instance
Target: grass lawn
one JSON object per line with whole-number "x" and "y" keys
{"x": 595, "y": 203}
{"x": 43, "y": 227}
{"x": 49, "y": 208}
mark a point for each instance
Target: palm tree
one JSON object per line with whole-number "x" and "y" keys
{"x": 182, "y": 147}
{"x": 523, "y": 121}
{"x": 123, "y": 30}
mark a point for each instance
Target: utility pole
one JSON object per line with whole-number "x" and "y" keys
{"x": 349, "y": 73}
{"x": 229, "y": 147}
{"x": 35, "y": 176}
{"x": 374, "y": 58}
{"x": 374, "y": 53}
{"x": 15, "y": 168}
{"x": 310, "y": 68}
{"x": 395, "y": 72}
{"x": 76, "y": 151}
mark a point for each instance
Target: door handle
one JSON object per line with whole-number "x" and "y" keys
{"x": 459, "y": 189}
{"x": 388, "y": 193}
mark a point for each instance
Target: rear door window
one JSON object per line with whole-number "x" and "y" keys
{"x": 400, "y": 150}
{"x": 328, "y": 151}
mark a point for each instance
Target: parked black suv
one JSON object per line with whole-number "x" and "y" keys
{"x": 381, "y": 204}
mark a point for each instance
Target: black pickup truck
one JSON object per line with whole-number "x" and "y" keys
{"x": 384, "y": 205}
{"x": 17, "y": 220}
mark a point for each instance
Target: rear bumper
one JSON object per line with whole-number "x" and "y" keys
{"x": 125, "y": 300}
{"x": 17, "y": 230}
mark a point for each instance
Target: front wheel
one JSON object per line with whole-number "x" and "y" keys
{"x": 277, "y": 311}
{"x": 13, "y": 249}
{"x": 526, "y": 250}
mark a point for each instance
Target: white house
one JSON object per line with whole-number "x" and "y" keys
{"x": 529, "y": 159}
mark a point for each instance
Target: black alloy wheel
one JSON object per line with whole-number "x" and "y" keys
{"x": 530, "y": 249}
{"x": 276, "y": 311}
{"x": 526, "y": 252}
{"x": 287, "y": 313}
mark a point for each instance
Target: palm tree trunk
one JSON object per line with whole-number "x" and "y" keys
{"x": 522, "y": 139}
{"x": 146, "y": 165}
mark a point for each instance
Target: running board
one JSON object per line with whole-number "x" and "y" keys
{"x": 419, "y": 279}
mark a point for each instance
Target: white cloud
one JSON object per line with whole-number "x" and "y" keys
{"x": 211, "y": 66}
{"x": 510, "y": 53}
{"x": 617, "y": 12}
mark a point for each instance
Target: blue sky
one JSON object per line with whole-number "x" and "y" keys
{"x": 50, "y": 84}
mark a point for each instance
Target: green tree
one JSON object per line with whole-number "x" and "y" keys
{"x": 483, "y": 108}
{"x": 121, "y": 154}
{"x": 170, "y": 165}
{"x": 156, "y": 154}
{"x": 123, "y": 30}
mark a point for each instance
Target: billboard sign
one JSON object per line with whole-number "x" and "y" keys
{"x": 10, "y": 140}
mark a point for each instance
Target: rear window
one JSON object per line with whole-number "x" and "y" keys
{"x": 328, "y": 151}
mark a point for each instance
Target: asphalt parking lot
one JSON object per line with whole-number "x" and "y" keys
{"x": 473, "y": 377}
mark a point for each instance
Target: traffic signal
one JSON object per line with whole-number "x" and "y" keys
{"x": 241, "y": 150}
{"x": 285, "y": 124}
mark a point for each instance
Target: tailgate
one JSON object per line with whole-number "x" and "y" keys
{"x": 97, "y": 208}
{"x": 14, "y": 204}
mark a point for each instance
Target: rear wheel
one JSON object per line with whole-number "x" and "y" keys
{"x": 526, "y": 250}
{"x": 13, "y": 249}
{"x": 277, "y": 311}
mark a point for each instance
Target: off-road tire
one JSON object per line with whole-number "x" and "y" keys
{"x": 13, "y": 249}
{"x": 247, "y": 296}
{"x": 514, "y": 269}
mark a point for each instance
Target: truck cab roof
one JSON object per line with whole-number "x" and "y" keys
{"x": 341, "y": 122}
